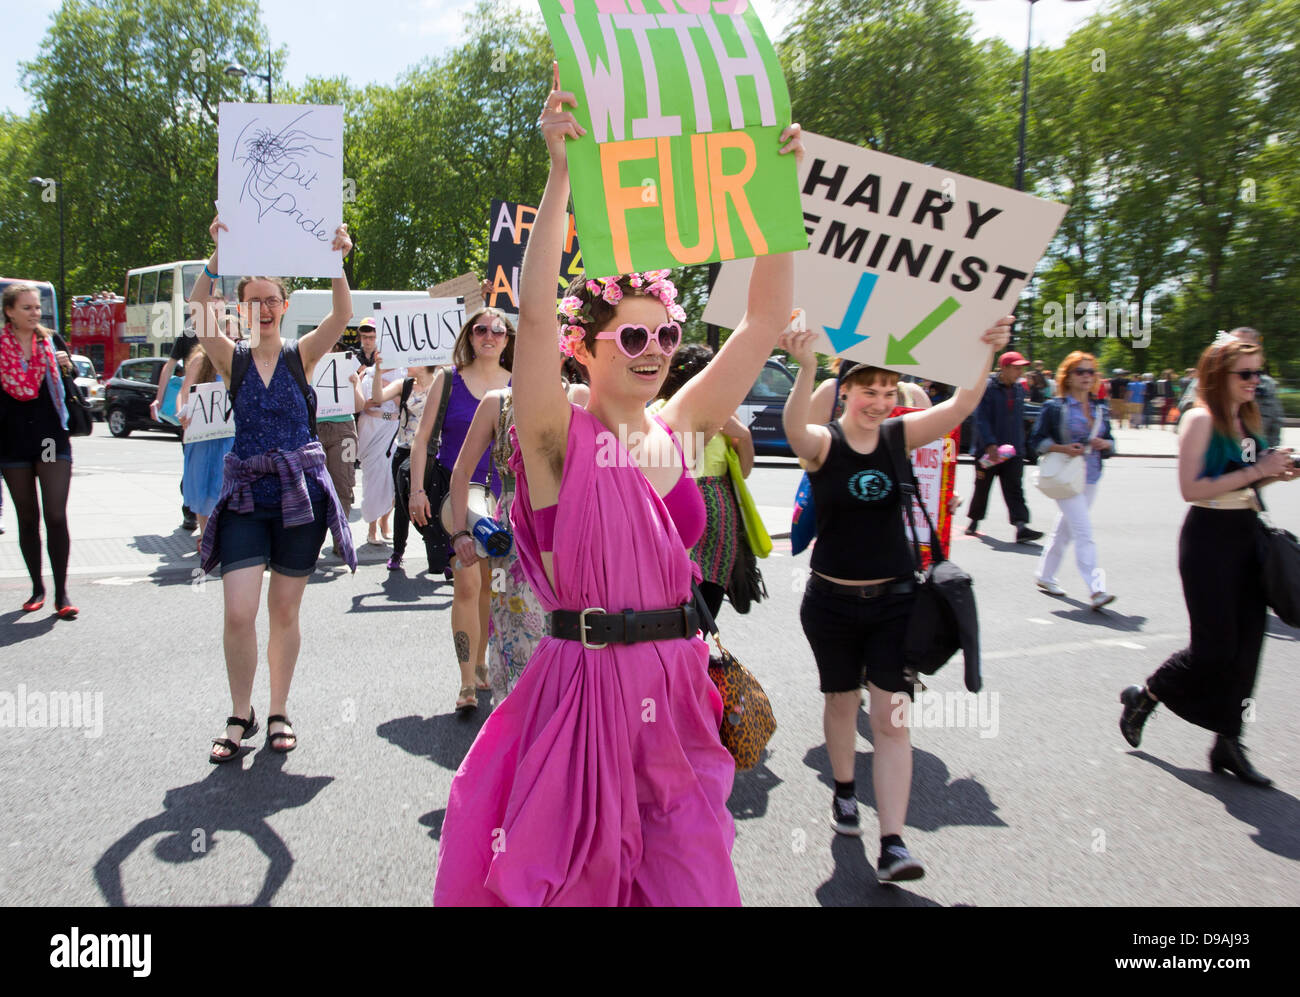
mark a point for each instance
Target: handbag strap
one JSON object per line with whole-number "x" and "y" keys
{"x": 706, "y": 618}
{"x": 895, "y": 438}
{"x": 435, "y": 437}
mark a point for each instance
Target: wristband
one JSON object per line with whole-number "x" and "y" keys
{"x": 462, "y": 533}
{"x": 209, "y": 274}
{"x": 418, "y": 491}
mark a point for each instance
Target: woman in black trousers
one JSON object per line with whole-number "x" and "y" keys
{"x": 35, "y": 446}
{"x": 1220, "y": 457}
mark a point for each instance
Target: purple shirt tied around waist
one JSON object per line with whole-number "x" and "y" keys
{"x": 292, "y": 470}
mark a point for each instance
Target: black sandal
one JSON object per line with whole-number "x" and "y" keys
{"x": 273, "y": 741}
{"x": 249, "y": 728}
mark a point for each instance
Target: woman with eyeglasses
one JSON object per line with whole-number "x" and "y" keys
{"x": 1075, "y": 422}
{"x": 1221, "y": 461}
{"x": 601, "y": 779}
{"x": 277, "y": 501}
{"x": 482, "y": 360}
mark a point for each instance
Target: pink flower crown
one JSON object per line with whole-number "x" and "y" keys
{"x": 575, "y": 312}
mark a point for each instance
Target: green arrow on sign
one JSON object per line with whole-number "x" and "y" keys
{"x": 899, "y": 351}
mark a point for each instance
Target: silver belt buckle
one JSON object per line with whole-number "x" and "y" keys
{"x": 582, "y": 627}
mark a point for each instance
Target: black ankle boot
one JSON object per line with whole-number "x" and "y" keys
{"x": 1228, "y": 755}
{"x": 1137, "y": 707}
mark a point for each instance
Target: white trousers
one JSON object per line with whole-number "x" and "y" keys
{"x": 1074, "y": 523}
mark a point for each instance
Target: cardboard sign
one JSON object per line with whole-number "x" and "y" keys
{"x": 935, "y": 468}
{"x": 210, "y": 417}
{"x": 683, "y": 104}
{"x": 418, "y": 333}
{"x": 508, "y": 228}
{"x": 280, "y": 188}
{"x": 334, "y": 395}
{"x": 907, "y": 264}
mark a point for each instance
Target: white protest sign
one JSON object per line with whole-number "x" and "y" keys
{"x": 334, "y": 395}
{"x": 280, "y": 188}
{"x": 210, "y": 417}
{"x": 927, "y": 468}
{"x": 907, "y": 264}
{"x": 417, "y": 333}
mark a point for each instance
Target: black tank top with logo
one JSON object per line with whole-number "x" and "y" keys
{"x": 860, "y": 532}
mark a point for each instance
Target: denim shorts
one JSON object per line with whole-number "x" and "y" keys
{"x": 857, "y": 640}
{"x": 261, "y": 538}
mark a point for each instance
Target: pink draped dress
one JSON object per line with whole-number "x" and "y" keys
{"x": 600, "y": 780}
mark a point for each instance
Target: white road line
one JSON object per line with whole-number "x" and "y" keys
{"x": 1078, "y": 645}
{"x": 1040, "y": 622}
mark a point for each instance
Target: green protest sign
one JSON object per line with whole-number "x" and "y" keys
{"x": 683, "y": 103}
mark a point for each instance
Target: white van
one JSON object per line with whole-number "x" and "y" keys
{"x": 307, "y": 309}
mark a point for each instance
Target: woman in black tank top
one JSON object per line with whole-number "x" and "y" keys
{"x": 860, "y": 594}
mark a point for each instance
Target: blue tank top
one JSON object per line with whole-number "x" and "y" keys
{"x": 267, "y": 419}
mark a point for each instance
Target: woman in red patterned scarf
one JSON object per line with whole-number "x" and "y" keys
{"x": 34, "y": 442}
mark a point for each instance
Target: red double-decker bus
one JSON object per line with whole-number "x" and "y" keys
{"x": 97, "y": 329}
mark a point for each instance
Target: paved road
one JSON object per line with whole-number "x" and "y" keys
{"x": 1036, "y": 801}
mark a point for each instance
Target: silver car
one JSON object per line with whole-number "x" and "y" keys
{"x": 88, "y": 382}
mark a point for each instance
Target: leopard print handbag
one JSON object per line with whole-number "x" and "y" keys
{"x": 747, "y": 719}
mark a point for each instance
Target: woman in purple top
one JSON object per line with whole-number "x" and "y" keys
{"x": 483, "y": 356}
{"x": 276, "y": 499}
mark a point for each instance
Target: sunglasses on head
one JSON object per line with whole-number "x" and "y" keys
{"x": 632, "y": 339}
{"x": 1249, "y": 375}
{"x": 489, "y": 330}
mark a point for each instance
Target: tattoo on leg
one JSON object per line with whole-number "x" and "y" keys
{"x": 462, "y": 646}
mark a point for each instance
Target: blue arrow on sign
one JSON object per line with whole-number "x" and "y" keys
{"x": 846, "y": 335}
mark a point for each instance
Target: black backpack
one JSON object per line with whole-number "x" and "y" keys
{"x": 243, "y": 359}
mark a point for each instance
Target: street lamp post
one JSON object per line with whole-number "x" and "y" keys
{"x": 1024, "y": 122}
{"x": 235, "y": 69}
{"x": 44, "y": 182}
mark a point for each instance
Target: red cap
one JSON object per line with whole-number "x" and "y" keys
{"x": 1012, "y": 359}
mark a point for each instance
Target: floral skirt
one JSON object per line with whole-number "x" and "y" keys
{"x": 518, "y": 621}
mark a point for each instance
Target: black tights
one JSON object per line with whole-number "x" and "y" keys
{"x": 55, "y": 477}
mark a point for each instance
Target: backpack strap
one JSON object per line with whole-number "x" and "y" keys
{"x": 294, "y": 359}
{"x": 895, "y": 436}
{"x": 403, "y": 416}
{"x": 239, "y": 364}
{"x": 435, "y": 437}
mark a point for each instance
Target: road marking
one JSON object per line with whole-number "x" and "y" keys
{"x": 119, "y": 581}
{"x": 1041, "y": 622}
{"x": 1129, "y": 644}
{"x": 1078, "y": 645}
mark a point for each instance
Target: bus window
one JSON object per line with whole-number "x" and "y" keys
{"x": 165, "y": 280}
{"x": 133, "y": 290}
{"x": 149, "y": 287}
{"x": 189, "y": 274}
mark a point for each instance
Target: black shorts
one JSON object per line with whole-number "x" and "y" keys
{"x": 261, "y": 538}
{"x": 856, "y": 640}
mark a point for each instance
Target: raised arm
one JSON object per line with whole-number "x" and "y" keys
{"x": 322, "y": 339}
{"x": 922, "y": 427}
{"x": 208, "y": 324}
{"x": 822, "y": 408}
{"x": 477, "y": 439}
{"x": 709, "y": 398}
{"x": 809, "y": 441}
{"x": 380, "y": 392}
{"x": 541, "y": 408}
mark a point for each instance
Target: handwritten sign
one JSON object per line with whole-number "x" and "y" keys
{"x": 935, "y": 468}
{"x": 508, "y": 227}
{"x": 280, "y": 188}
{"x": 210, "y": 417}
{"x": 418, "y": 333}
{"x": 334, "y": 395}
{"x": 907, "y": 263}
{"x": 683, "y": 104}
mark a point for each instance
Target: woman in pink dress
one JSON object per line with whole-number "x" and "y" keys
{"x": 601, "y": 779}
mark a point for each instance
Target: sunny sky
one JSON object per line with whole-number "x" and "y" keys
{"x": 399, "y": 33}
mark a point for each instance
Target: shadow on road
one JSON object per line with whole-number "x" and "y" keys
{"x": 445, "y": 740}
{"x": 854, "y": 884}
{"x": 398, "y": 593}
{"x": 1274, "y": 627}
{"x": 1084, "y": 613}
{"x": 1274, "y": 814}
{"x": 750, "y": 790}
{"x": 231, "y": 798}
{"x": 33, "y": 625}
{"x": 433, "y": 821}
{"x": 1010, "y": 546}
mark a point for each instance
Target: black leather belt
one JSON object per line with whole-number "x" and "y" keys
{"x": 595, "y": 628}
{"x": 819, "y": 584}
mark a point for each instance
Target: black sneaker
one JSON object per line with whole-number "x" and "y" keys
{"x": 1137, "y": 707}
{"x": 896, "y": 864}
{"x": 973, "y": 530}
{"x": 1025, "y": 535}
{"x": 844, "y": 816}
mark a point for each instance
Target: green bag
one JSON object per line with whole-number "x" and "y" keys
{"x": 755, "y": 532}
